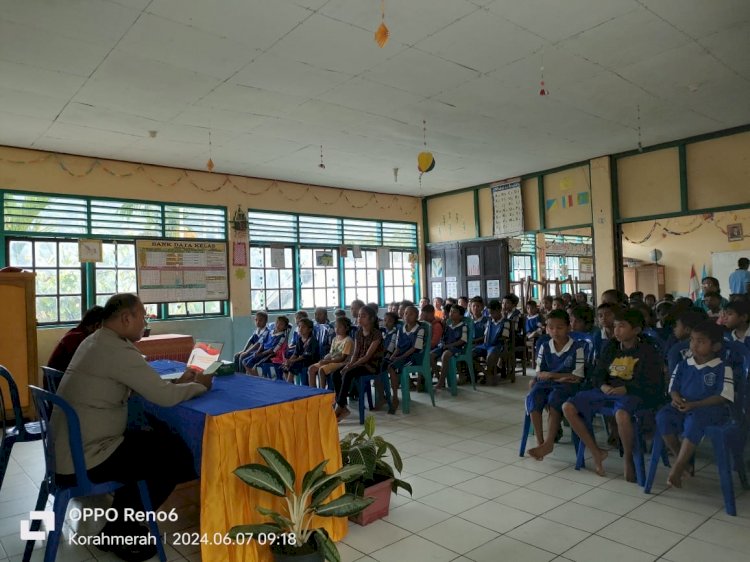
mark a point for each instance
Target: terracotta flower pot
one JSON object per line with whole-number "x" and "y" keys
{"x": 377, "y": 509}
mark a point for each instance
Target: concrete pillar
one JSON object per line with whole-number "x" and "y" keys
{"x": 605, "y": 254}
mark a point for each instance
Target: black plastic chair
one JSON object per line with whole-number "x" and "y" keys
{"x": 19, "y": 431}
{"x": 44, "y": 402}
{"x": 52, "y": 378}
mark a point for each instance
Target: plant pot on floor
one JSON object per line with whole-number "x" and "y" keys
{"x": 379, "y": 508}
{"x": 286, "y": 554}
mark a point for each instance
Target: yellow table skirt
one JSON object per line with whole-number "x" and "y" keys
{"x": 304, "y": 431}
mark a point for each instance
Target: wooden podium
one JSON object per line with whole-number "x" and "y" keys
{"x": 18, "y": 351}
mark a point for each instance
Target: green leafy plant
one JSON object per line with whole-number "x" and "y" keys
{"x": 371, "y": 452}
{"x": 277, "y": 477}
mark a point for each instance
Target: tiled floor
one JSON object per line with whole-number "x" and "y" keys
{"x": 476, "y": 499}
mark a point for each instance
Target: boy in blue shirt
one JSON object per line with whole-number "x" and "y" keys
{"x": 496, "y": 334}
{"x": 700, "y": 388}
{"x": 476, "y": 313}
{"x": 408, "y": 350}
{"x": 736, "y": 319}
{"x": 683, "y": 326}
{"x": 605, "y": 316}
{"x": 559, "y": 370}
{"x": 255, "y": 342}
{"x": 306, "y": 352}
{"x": 454, "y": 340}
{"x": 271, "y": 344}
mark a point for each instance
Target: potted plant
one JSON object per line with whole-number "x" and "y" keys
{"x": 147, "y": 327}
{"x": 277, "y": 477}
{"x": 378, "y": 479}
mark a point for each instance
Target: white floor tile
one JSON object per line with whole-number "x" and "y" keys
{"x": 629, "y": 488}
{"x": 723, "y": 534}
{"x": 486, "y": 487}
{"x": 595, "y": 548}
{"x": 452, "y": 500}
{"x": 501, "y": 454}
{"x": 583, "y": 476}
{"x": 444, "y": 456}
{"x": 529, "y": 500}
{"x": 478, "y": 465}
{"x": 447, "y": 475}
{"x": 692, "y": 550}
{"x": 707, "y": 503}
{"x": 548, "y": 466}
{"x": 472, "y": 446}
{"x": 422, "y": 487}
{"x": 497, "y": 517}
{"x": 414, "y": 549}
{"x": 666, "y": 517}
{"x": 641, "y": 536}
{"x": 374, "y": 536}
{"x": 347, "y": 553}
{"x": 416, "y": 516}
{"x": 417, "y": 464}
{"x": 612, "y": 502}
{"x": 548, "y": 535}
{"x": 506, "y": 548}
{"x": 516, "y": 475}
{"x": 458, "y": 535}
{"x": 581, "y": 517}
{"x": 559, "y": 487}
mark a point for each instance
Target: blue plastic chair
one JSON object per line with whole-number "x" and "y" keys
{"x": 424, "y": 369}
{"x": 44, "y": 402}
{"x": 364, "y": 390}
{"x": 466, "y": 357}
{"x": 20, "y": 431}
{"x": 728, "y": 441}
{"x": 52, "y": 378}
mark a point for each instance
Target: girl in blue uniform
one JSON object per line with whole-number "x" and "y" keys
{"x": 408, "y": 350}
{"x": 701, "y": 387}
{"x": 271, "y": 344}
{"x": 454, "y": 341}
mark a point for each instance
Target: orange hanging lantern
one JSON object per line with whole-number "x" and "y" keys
{"x": 382, "y": 33}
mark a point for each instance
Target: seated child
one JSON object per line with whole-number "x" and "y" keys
{"x": 700, "y": 388}
{"x": 493, "y": 345}
{"x": 546, "y": 306}
{"x": 581, "y": 321}
{"x": 428, "y": 315}
{"x": 712, "y": 304}
{"x": 534, "y": 322}
{"x": 684, "y": 325}
{"x": 390, "y": 324}
{"x": 271, "y": 344}
{"x": 512, "y": 317}
{"x": 407, "y": 350}
{"x": 255, "y": 342}
{"x": 736, "y": 315}
{"x": 323, "y": 330}
{"x": 306, "y": 352}
{"x": 605, "y": 315}
{"x": 341, "y": 349}
{"x": 628, "y": 376}
{"x": 454, "y": 340}
{"x": 476, "y": 313}
{"x": 559, "y": 370}
{"x": 558, "y": 303}
{"x": 299, "y": 315}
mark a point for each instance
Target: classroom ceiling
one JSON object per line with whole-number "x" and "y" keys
{"x": 273, "y": 80}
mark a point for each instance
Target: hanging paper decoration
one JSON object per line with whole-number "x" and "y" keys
{"x": 210, "y": 163}
{"x": 543, "y": 91}
{"x": 425, "y": 159}
{"x": 382, "y": 33}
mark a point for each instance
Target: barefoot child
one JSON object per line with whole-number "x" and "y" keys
{"x": 407, "y": 350}
{"x": 701, "y": 387}
{"x": 627, "y": 377}
{"x": 559, "y": 370}
{"x": 454, "y": 340}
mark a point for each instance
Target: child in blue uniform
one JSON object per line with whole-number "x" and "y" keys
{"x": 628, "y": 376}
{"x": 476, "y": 313}
{"x": 306, "y": 352}
{"x": 454, "y": 341}
{"x": 559, "y": 370}
{"x": 496, "y": 333}
{"x": 736, "y": 315}
{"x": 683, "y": 326}
{"x": 605, "y": 316}
{"x": 255, "y": 342}
{"x": 700, "y": 387}
{"x": 390, "y": 327}
{"x": 271, "y": 344}
{"x": 408, "y": 350}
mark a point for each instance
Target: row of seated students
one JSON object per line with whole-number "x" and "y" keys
{"x": 684, "y": 380}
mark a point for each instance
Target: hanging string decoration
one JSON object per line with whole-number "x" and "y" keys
{"x": 425, "y": 159}
{"x": 382, "y": 32}
{"x": 543, "y": 91}
{"x": 210, "y": 163}
{"x": 321, "y": 165}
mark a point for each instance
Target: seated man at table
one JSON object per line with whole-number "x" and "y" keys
{"x": 255, "y": 342}
{"x": 104, "y": 371}
{"x": 66, "y": 347}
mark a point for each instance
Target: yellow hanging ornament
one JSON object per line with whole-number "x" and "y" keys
{"x": 210, "y": 165}
{"x": 382, "y": 33}
{"x": 425, "y": 162}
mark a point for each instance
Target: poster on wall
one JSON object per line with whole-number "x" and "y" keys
{"x": 507, "y": 209}
{"x": 472, "y": 266}
{"x": 585, "y": 269}
{"x": 451, "y": 288}
{"x": 437, "y": 289}
{"x": 474, "y": 289}
{"x": 437, "y": 267}
{"x": 493, "y": 288}
{"x": 169, "y": 271}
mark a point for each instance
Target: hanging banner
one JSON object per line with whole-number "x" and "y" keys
{"x": 507, "y": 209}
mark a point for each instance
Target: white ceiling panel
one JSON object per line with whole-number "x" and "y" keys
{"x": 555, "y": 20}
{"x": 420, "y": 73}
{"x": 482, "y": 41}
{"x": 699, "y": 18}
{"x": 273, "y": 80}
{"x": 257, "y": 25}
{"x": 278, "y": 74}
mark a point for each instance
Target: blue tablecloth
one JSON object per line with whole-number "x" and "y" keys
{"x": 229, "y": 393}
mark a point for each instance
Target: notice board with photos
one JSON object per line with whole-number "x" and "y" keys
{"x": 174, "y": 271}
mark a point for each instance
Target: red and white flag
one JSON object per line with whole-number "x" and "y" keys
{"x": 695, "y": 286}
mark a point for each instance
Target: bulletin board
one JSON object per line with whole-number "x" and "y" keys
{"x": 567, "y": 198}
{"x": 507, "y": 208}
{"x": 174, "y": 271}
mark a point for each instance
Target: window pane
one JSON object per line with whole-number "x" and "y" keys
{"x": 272, "y": 278}
{"x": 20, "y": 254}
{"x": 46, "y": 282}
{"x": 256, "y": 257}
{"x": 126, "y": 255}
{"x": 320, "y": 297}
{"x": 126, "y": 281}
{"x": 152, "y": 310}
{"x": 272, "y": 300}
{"x": 320, "y": 277}
{"x": 177, "y": 309}
{"x": 109, "y": 259}
{"x": 287, "y": 300}
{"x": 106, "y": 281}
{"x": 69, "y": 254}
{"x": 307, "y": 298}
{"x": 46, "y": 309}
{"x": 257, "y": 300}
{"x": 306, "y": 278}
{"x": 101, "y": 300}
{"x": 389, "y": 298}
{"x": 195, "y": 308}
{"x": 213, "y": 307}
{"x": 286, "y": 279}
{"x": 45, "y": 254}
{"x": 257, "y": 279}
{"x": 305, "y": 258}
{"x": 70, "y": 283}
{"x": 70, "y": 309}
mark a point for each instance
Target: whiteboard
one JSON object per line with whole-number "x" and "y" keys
{"x": 172, "y": 271}
{"x": 723, "y": 264}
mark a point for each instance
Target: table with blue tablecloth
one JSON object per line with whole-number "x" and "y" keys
{"x": 224, "y": 428}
